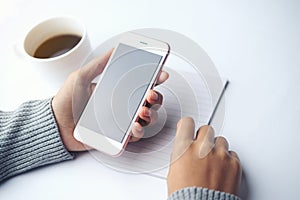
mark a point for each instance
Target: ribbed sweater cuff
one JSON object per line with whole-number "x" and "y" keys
{"x": 29, "y": 138}
{"x": 197, "y": 193}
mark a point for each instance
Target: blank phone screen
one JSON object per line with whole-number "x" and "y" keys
{"x": 120, "y": 91}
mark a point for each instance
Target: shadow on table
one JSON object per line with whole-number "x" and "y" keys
{"x": 245, "y": 189}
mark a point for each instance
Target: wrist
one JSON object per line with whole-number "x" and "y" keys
{"x": 64, "y": 120}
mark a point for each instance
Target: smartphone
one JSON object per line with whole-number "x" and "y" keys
{"x": 131, "y": 71}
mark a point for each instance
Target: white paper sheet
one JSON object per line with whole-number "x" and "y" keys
{"x": 185, "y": 94}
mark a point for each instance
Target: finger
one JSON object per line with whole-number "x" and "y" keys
{"x": 148, "y": 115}
{"x": 185, "y": 129}
{"x": 145, "y": 114}
{"x": 184, "y": 137}
{"x": 155, "y": 99}
{"x": 205, "y": 134}
{"x": 221, "y": 143}
{"x": 137, "y": 132}
{"x": 94, "y": 67}
{"x": 163, "y": 76}
{"x": 234, "y": 154}
{"x": 204, "y": 141}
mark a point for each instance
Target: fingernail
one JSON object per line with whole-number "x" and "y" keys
{"x": 148, "y": 112}
{"x": 138, "y": 128}
{"x": 154, "y": 96}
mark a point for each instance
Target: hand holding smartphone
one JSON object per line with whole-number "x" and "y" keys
{"x": 113, "y": 108}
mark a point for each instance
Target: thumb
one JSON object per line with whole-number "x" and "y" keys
{"x": 184, "y": 137}
{"x": 94, "y": 67}
{"x": 83, "y": 87}
{"x": 205, "y": 140}
{"x": 92, "y": 87}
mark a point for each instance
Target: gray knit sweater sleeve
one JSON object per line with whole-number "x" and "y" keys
{"x": 29, "y": 138}
{"x": 197, "y": 193}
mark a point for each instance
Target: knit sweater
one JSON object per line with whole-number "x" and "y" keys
{"x": 29, "y": 138}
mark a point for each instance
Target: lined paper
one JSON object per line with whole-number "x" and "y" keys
{"x": 185, "y": 94}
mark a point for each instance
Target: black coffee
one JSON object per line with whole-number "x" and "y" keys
{"x": 56, "y": 46}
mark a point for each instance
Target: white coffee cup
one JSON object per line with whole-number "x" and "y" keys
{"x": 56, "y": 69}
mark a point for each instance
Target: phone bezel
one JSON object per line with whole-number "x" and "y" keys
{"x": 106, "y": 144}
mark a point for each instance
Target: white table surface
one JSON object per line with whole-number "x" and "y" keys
{"x": 256, "y": 44}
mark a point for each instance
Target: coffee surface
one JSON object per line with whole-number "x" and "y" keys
{"x": 56, "y": 46}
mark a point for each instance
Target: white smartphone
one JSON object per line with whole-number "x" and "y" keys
{"x": 132, "y": 70}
